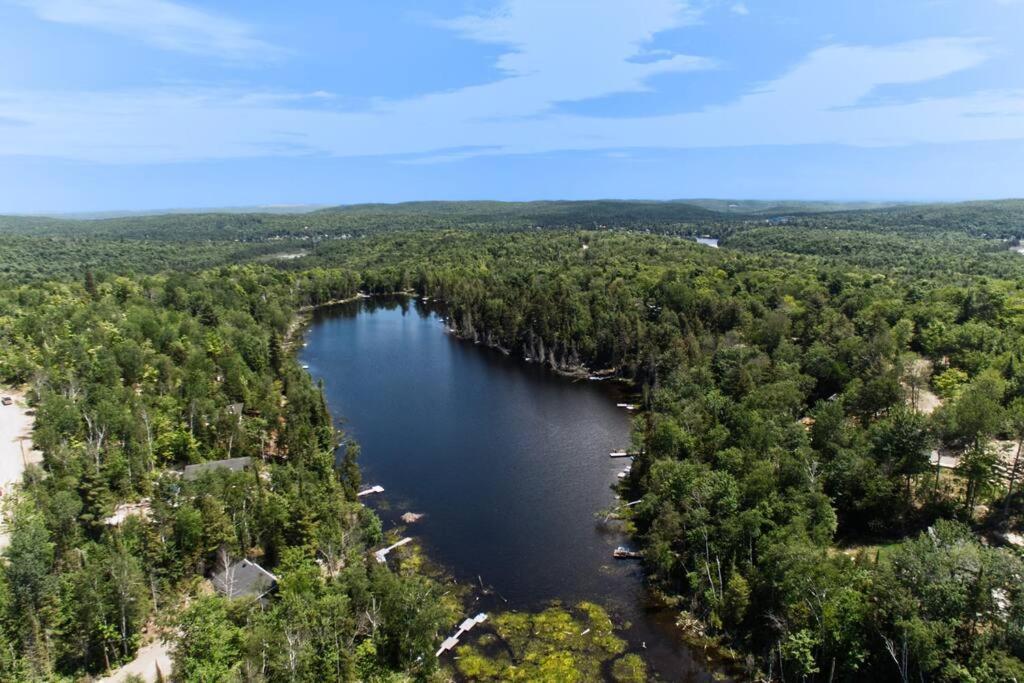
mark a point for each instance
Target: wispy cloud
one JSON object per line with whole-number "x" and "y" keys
{"x": 740, "y": 8}
{"x": 825, "y": 99}
{"x": 162, "y": 23}
{"x": 568, "y": 51}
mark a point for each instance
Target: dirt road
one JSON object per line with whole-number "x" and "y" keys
{"x": 16, "y": 451}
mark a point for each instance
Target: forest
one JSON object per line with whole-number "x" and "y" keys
{"x": 829, "y": 436}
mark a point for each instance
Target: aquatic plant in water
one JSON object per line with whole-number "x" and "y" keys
{"x": 557, "y": 644}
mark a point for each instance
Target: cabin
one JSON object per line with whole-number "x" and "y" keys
{"x": 244, "y": 579}
{"x": 193, "y": 472}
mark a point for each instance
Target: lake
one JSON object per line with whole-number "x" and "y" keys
{"x": 507, "y": 461}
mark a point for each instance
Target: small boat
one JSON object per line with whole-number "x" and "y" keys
{"x": 623, "y": 553}
{"x": 305, "y": 366}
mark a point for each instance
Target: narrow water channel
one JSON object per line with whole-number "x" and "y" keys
{"x": 507, "y": 461}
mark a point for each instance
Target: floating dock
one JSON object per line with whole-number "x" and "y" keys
{"x": 450, "y": 642}
{"x": 382, "y": 554}
{"x": 372, "y": 489}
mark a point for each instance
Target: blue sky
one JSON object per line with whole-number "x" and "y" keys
{"x": 142, "y": 104}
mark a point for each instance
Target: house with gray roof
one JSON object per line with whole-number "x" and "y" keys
{"x": 244, "y": 579}
{"x": 234, "y": 464}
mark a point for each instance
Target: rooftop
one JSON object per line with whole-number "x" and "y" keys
{"x": 233, "y": 464}
{"x": 244, "y": 578}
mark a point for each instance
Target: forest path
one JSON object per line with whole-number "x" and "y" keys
{"x": 150, "y": 658}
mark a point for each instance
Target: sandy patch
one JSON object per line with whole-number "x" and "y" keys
{"x": 927, "y": 401}
{"x": 16, "y": 451}
{"x": 922, "y": 399}
{"x": 148, "y": 658}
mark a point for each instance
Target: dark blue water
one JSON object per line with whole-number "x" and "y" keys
{"x": 507, "y": 461}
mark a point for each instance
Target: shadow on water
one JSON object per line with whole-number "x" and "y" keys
{"x": 507, "y": 462}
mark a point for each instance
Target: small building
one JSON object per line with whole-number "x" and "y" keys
{"x": 193, "y": 472}
{"x": 244, "y": 579}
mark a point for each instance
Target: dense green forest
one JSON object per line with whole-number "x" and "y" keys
{"x": 794, "y": 385}
{"x": 133, "y": 378}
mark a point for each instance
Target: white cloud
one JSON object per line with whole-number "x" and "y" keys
{"x": 822, "y": 100}
{"x": 740, "y": 8}
{"x": 165, "y": 24}
{"x": 568, "y": 51}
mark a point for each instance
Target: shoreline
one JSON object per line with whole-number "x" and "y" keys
{"x": 701, "y": 650}
{"x": 578, "y": 371}
{"x": 301, "y": 316}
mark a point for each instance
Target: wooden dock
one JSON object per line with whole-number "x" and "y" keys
{"x": 382, "y": 554}
{"x": 467, "y": 624}
{"x": 372, "y": 489}
{"x": 623, "y": 553}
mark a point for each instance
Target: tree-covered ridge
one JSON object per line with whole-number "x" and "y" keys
{"x": 970, "y": 238}
{"x": 360, "y": 219}
{"x": 133, "y": 378}
{"x": 37, "y": 259}
{"x": 1002, "y": 219}
{"x": 926, "y": 241}
{"x": 931, "y": 256}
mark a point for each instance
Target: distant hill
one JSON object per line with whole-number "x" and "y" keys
{"x": 717, "y": 217}
{"x": 587, "y": 213}
{"x": 263, "y": 208}
{"x": 783, "y": 206}
{"x": 361, "y": 218}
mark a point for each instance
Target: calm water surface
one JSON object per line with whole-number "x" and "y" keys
{"x": 508, "y": 462}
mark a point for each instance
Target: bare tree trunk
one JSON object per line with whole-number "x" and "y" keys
{"x": 1013, "y": 477}
{"x": 901, "y": 660}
